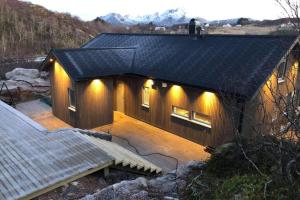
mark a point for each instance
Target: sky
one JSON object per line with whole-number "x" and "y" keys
{"x": 208, "y": 9}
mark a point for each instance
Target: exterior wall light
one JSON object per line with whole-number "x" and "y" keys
{"x": 164, "y": 85}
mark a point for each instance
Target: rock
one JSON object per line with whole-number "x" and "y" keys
{"x": 133, "y": 189}
{"x": 41, "y": 82}
{"x": 44, "y": 75}
{"x": 104, "y": 194}
{"x": 165, "y": 184}
{"x": 127, "y": 188}
{"x": 26, "y": 83}
{"x": 142, "y": 195}
{"x": 184, "y": 170}
{"x": 181, "y": 184}
{"x": 71, "y": 190}
{"x": 170, "y": 198}
{"x": 101, "y": 181}
{"x": 20, "y": 72}
{"x": 75, "y": 183}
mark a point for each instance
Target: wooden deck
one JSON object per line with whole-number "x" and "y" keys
{"x": 34, "y": 161}
{"x": 125, "y": 158}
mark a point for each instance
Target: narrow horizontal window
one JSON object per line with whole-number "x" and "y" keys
{"x": 72, "y": 104}
{"x": 180, "y": 112}
{"x": 146, "y": 97}
{"x": 202, "y": 119}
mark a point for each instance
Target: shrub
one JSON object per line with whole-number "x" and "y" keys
{"x": 245, "y": 187}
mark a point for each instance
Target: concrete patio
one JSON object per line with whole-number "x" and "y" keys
{"x": 145, "y": 138}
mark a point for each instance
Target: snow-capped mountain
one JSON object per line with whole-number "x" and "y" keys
{"x": 167, "y": 18}
{"x": 117, "y": 19}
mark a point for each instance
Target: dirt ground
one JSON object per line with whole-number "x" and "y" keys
{"x": 87, "y": 185}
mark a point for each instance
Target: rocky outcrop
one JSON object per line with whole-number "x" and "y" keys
{"x": 26, "y": 83}
{"x": 163, "y": 187}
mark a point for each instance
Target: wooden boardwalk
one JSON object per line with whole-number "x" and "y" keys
{"x": 34, "y": 161}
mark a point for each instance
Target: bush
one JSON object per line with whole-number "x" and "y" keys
{"x": 245, "y": 187}
{"x": 228, "y": 161}
{"x": 230, "y": 175}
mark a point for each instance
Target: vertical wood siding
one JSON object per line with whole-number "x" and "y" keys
{"x": 261, "y": 109}
{"x": 94, "y": 103}
{"x": 60, "y": 82}
{"x": 161, "y": 102}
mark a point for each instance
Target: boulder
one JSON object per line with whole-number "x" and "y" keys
{"x": 184, "y": 170}
{"x": 104, "y": 194}
{"x": 142, "y": 195}
{"x": 133, "y": 189}
{"x": 126, "y": 189}
{"x": 20, "y": 73}
{"x": 26, "y": 83}
{"x": 44, "y": 75}
{"x": 165, "y": 186}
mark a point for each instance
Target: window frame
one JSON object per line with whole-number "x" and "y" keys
{"x": 282, "y": 77}
{"x": 190, "y": 117}
{"x": 179, "y": 115}
{"x": 72, "y": 105}
{"x": 144, "y": 103}
{"x": 201, "y": 122}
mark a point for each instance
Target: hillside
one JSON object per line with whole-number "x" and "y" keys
{"x": 29, "y": 30}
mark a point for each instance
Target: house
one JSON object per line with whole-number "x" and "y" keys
{"x": 200, "y": 87}
{"x": 160, "y": 28}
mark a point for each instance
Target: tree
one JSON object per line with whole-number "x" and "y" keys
{"x": 290, "y": 10}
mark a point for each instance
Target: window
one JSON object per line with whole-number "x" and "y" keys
{"x": 71, "y": 94}
{"x": 281, "y": 71}
{"x": 182, "y": 113}
{"x": 202, "y": 119}
{"x": 146, "y": 97}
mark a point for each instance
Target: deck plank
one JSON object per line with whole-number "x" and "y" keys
{"x": 33, "y": 160}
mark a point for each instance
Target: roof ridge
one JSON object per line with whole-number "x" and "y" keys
{"x": 87, "y": 49}
{"x": 209, "y": 35}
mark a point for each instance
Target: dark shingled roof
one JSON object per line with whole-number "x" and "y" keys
{"x": 237, "y": 64}
{"x": 97, "y": 62}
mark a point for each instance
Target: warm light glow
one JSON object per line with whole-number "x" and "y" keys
{"x": 208, "y": 98}
{"x": 176, "y": 91}
{"x": 149, "y": 83}
{"x": 208, "y": 95}
{"x": 96, "y": 85}
{"x": 51, "y": 60}
{"x": 60, "y": 72}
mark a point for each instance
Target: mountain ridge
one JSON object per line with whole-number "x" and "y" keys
{"x": 167, "y": 18}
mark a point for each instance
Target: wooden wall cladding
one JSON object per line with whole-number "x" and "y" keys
{"x": 94, "y": 101}
{"x": 191, "y": 99}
